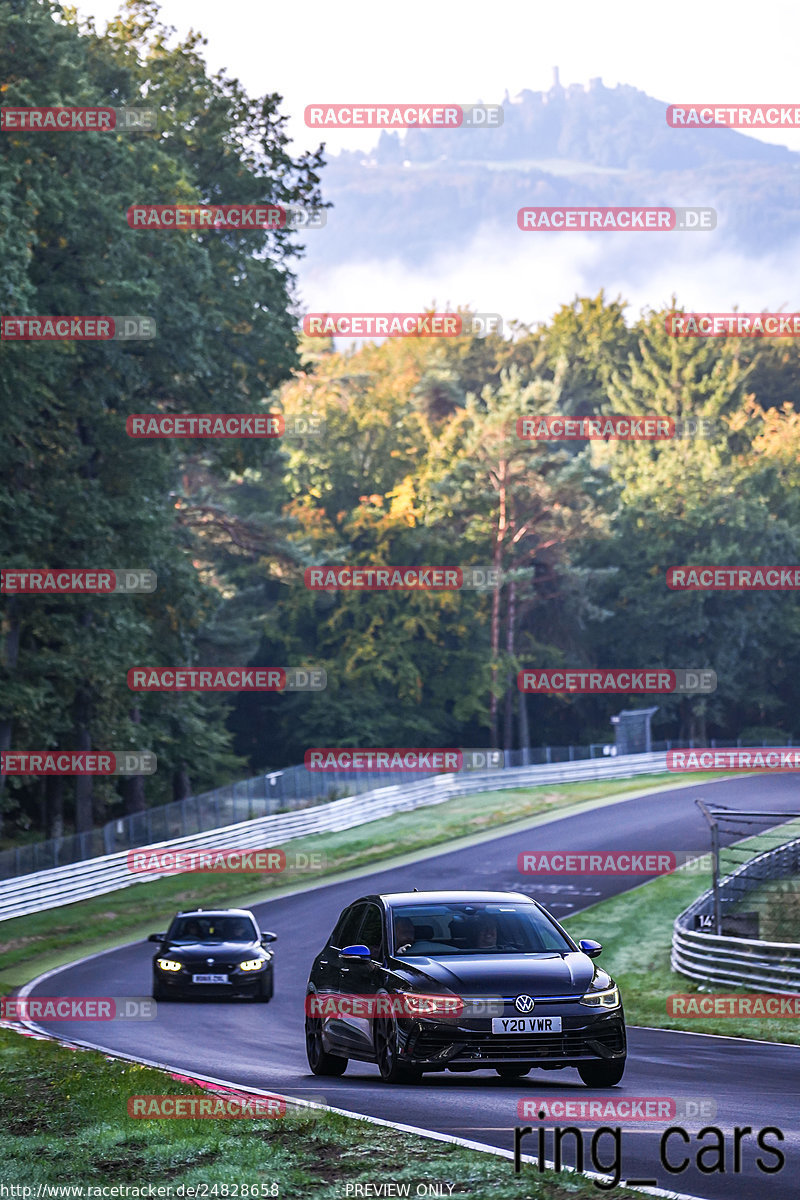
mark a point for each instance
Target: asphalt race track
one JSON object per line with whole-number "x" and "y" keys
{"x": 753, "y": 1083}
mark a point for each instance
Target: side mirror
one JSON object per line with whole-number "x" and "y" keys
{"x": 590, "y": 948}
{"x": 355, "y": 952}
{"x": 157, "y": 937}
{"x": 268, "y": 937}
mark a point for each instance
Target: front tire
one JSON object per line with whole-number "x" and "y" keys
{"x": 159, "y": 993}
{"x": 602, "y": 1074}
{"x": 384, "y": 1037}
{"x": 319, "y": 1060}
{"x": 267, "y": 989}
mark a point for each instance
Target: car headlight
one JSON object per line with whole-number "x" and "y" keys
{"x": 251, "y": 964}
{"x": 168, "y": 964}
{"x": 427, "y": 1006}
{"x": 608, "y": 998}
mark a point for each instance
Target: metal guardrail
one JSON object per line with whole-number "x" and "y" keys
{"x": 245, "y": 799}
{"x": 94, "y": 877}
{"x": 734, "y": 961}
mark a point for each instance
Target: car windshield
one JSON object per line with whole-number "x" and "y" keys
{"x": 431, "y": 930}
{"x": 212, "y": 929}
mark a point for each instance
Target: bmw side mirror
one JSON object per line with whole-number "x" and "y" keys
{"x": 157, "y": 937}
{"x": 590, "y": 948}
{"x": 355, "y": 952}
{"x": 268, "y": 937}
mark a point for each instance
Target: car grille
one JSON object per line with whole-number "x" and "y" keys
{"x": 488, "y": 1046}
{"x": 217, "y": 968}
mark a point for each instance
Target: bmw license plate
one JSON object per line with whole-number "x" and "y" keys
{"x": 209, "y": 979}
{"x": 526, "y": 1024}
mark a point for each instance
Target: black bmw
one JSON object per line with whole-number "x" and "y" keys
{"x": 461, "y": 981}
{"x": 218, "y": 953}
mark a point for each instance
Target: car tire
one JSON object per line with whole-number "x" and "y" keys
{"x": 512, "y": 1072}
{"x": 266, "y": 990}
{"x": 602, "y": 1074}
{"x": 319, "y": 1060}
{"x": 159, "y": 994}
{"x": 384, "y": 1038}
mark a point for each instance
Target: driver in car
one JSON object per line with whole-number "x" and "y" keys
{"x": 404, "y": 935}
{"x": 486, "y": 932}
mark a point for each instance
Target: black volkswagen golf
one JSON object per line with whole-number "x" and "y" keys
{"x": 219, "y": 953}
{"x": 461, "y": 981}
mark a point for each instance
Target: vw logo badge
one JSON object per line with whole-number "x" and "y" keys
{"x": 524, "y": 1004}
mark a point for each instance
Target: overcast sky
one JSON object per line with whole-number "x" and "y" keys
{"x": 708, "y": 51}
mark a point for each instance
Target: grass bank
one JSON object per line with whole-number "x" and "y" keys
{"x": 637, "y": 929}
{"x": 65, "y": 1122}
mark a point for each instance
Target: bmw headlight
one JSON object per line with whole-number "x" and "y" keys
{"x": 168, "y": 964}
{"x": 251, "y": 964}
{"x": 608, "y": 998}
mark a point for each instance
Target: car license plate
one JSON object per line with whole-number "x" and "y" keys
{"x": 526, "y": 1024}
{"x": 209, "y": 979}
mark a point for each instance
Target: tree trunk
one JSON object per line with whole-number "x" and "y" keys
{"x": 55, "y": 805}
{"x": 497, "y": 563}
{"x": 133, "y": 787}
{"x": 83, "y": 783}
{"x": 511, "y": 619}
{"x": 11, "y": 655}
{"x": 181, "y": 783}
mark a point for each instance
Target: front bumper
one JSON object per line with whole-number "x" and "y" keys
{"x": 470, "y": 1044}
{"x": 248, "y": 983}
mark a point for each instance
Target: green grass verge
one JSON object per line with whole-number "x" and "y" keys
{"x": 637, "y": 929}
{"x": 41, "y": 941}
{"x": 65, "y": 1122}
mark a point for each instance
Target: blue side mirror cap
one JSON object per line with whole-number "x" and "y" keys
{"x": 355, "y": 952}
{"x": 590, "y": 948}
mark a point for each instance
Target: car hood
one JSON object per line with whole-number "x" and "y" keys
{"x": 214, "y": 950}
{"x": 549, "y": 974}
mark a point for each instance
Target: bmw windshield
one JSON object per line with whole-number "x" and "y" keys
{"x": 211, "y": 929}
{"x": 424, "y": 930}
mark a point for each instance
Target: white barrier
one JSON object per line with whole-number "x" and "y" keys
{"x": 95, "y": 876}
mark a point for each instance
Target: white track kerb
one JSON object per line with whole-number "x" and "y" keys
{"x": 95, "y": 876}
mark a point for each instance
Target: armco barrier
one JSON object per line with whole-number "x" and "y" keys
{"x": 734, "y": 961}
{"x": 95, "y": 876}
